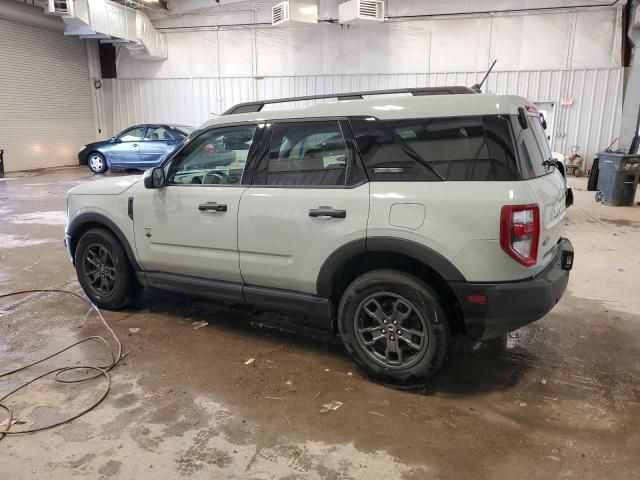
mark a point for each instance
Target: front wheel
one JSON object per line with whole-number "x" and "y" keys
{"x": 104, "y": 272}
{"x": 97, "y": 163}
{"x": 394, "y": 327}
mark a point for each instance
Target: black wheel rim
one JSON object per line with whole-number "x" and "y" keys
{"x": 391, "y": 330}
{"x": 99, "y": 270}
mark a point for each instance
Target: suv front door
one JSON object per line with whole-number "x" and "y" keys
{"x": 309, "y": 196}
{"x": 189, "y": 227}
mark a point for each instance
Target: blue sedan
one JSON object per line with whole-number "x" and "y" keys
{"x": 139, "y": 147}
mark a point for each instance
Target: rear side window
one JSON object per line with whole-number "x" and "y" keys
{"x": 533, "y": 148}
{"x": 387, "y": 158}
{"x": 473, "y": 148}
{"x": 308, "y": 154}
{"x": 158, "y": 133}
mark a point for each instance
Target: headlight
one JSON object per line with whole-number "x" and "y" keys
{"x": 82, "y": 148}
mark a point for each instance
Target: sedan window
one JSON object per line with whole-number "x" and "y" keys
{"x": 132, "y": 135}
{"x": 158, "y": 133}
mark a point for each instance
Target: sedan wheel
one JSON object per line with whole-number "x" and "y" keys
{"x": 97, "y": 163}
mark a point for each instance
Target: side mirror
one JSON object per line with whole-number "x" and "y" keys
{"x": 114, "y": 139}
{"x": 153, "y": 178}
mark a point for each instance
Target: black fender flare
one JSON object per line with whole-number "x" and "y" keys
{"x": 415, "y": 250}
{"x": 100, "y": 220}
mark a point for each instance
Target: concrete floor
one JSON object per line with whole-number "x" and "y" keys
{"x": 557, "y": 399}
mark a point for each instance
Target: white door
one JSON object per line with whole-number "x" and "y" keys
{"x": 547, "y": 111}
{"x": 308, "y": 198}
{"x": 189, "y": 227}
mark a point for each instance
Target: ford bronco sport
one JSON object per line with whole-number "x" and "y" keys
{"x": 397, "y": 221}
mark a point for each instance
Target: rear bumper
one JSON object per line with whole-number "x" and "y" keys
{"x": 511, "y": 305}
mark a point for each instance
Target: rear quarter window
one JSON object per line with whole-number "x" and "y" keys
{"x": 470, "y": 148}
{"x": 532, "y": 147}
{"x": 386, "y": 156}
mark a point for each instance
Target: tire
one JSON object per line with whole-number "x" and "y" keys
{"x": 104, "y": 272}
{"x": 97, "y": 163}
{"x": 389, "y": 357}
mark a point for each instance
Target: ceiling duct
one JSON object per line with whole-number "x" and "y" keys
{"x": 361, "y": 12}
{"x": 111, "y": 23}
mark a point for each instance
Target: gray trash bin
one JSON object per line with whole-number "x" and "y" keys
{"x": 618, "y": 178}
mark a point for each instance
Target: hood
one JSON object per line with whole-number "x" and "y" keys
{"x": 106, "y": 186}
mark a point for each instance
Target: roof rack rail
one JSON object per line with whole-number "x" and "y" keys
{"x": 251, "y": 107}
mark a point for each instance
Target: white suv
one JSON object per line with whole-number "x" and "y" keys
{"x": 397, "y": 221}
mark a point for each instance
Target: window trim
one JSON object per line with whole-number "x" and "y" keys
{"x": 262, "y": 159}
{"x": 257, "y": 136}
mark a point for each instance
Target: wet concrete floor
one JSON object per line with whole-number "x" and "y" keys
{"x": 557, "y": 399}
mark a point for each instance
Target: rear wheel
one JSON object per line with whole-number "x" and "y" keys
{"x": 104, "y": 272}
{"x": 394, "y": 327}
{"x": 97, "y": 163}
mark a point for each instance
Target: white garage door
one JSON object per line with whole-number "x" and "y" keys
{"x": 45, "y": 104}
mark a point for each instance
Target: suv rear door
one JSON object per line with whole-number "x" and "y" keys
{"x": 546, "y": 183}
{"x": 309, "y": 196}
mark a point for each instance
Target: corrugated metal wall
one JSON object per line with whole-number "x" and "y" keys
{"x": 591, "y": 121}
{"x": 45, "y": 105}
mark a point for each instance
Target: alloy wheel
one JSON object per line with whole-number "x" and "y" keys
{"x": 99, "y": 270}
{"x": 391, "y": 330}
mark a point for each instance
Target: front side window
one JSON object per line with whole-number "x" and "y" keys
{"x": 307, "y": 154}
{"x": 215, "y": 157}
{"x": 158, "y": 133}
{"x": 132, "y": 135}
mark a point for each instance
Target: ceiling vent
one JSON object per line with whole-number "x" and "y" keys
{"x": 361, "y": 11}
{"x": 61, "y": 8}
{"x": 290, "y": 11}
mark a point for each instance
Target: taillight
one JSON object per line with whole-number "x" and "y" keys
{"x": 520, "y": 232}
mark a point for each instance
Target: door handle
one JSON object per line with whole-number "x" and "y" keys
{"x": 216, "y": 207}
{"x": 134, "y": 145}
{"x": 327, "y": 212}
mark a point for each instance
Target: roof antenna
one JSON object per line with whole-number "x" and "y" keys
{"x": 478, "y": 86}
